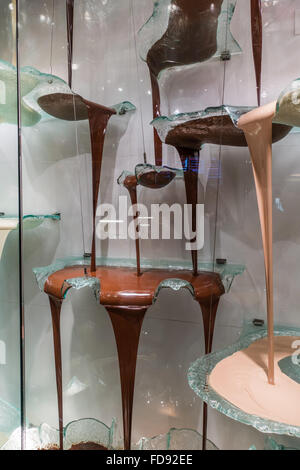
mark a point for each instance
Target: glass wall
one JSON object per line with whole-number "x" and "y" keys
{"x": 10, "y": 370}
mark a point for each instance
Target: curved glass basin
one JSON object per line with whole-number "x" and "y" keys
{"x": 199, "y": 380}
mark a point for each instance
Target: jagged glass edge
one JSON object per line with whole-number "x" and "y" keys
{"x": 168, "y": 439}
{"x": 32, "y": 221}
{"x": 45, "y": 83}
{"x": 56, "y": 216}
{"x": 50, "y": 84}
{"x": 293, "y": 87}
{"x": 80, "y": 282}
{"x": 227, "y": 272}
{"x": 124, "y": 107}
{"x": 163, "y": 124}
{"x": 40, "y": 441}
{"x": 175, "y": 285}
{"x": 271, "y": 444}
{"x": 160, "y": 17}
{"x": 201, "y": 368}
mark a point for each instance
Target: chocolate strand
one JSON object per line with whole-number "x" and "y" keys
{"x": 257, "y": 39}
{"x": 70, "y": 32}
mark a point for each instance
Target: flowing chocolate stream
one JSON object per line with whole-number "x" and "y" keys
{"x": 70, "y": 33}
{"x": 127, "y": 324}
{"x": 191, "y": 37}
{"x": 257, "y": 126}
{"x": 130, "y": 184}
{"x": 55, "y": 305}
{"x": 257, "y": 37}
{"x": 127, "y": 298}
{"x": 71, "y": 107}
{"x": 190, "y": 164}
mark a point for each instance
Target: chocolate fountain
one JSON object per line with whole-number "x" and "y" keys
{"x": 126, "y": 293}
{"x": 194, "y": 32}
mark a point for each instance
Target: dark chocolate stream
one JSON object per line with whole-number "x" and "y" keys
{"x": 75, "y": 108}
{"x": 257, "y": 32}
{"x": 191, "y": 37}
{"x": 130, "y": 184}
{"x": 70, "y": 33}
{"x": 127, "y": 298}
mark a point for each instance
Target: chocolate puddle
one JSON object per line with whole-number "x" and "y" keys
{"x": 71, "y": 107}
{"x": 80, "y": 446}
{"x": 257, "y": 35}
{"x": 156, "y": 179}
{"x": 70, "y": 24}
{"x": 191, "y": 37}
{"x": 127, "y": 298}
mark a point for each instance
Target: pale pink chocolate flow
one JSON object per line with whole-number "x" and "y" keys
{"x": 257, "y": 126}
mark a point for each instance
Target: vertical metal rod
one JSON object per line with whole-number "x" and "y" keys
{"x": 20, "y": 209}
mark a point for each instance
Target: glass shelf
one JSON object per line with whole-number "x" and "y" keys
{"x": 175, "y": 439}
{"x": 72, "y": 107}
{"x": 201, "y": 369}
{"x": 10, "y": 222}
{"x": 227, "y": 271}
{"x": 271, "y": 444}
{"x": 190, "y": 133}
{"x": 86, "y": 430}
{"x": 288, "y": 105}
{"x": 157, "y": 36}
{"x": 33, "y": 85}
{"x": 152, "y": 176}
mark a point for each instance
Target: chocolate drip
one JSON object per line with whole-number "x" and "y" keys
{"x": 190, "y": 165}
{"x": 127, "y": 300}
{"x": 209, "y": 312}
{"x": 98, "y": 120}
{"x": 55, "y": 305}
{"x": 127, "y": 323}
{"x": 156, "y": 113}
{"x": 70, "y": 32}
{"x": 131, "y": 184}
{"x": 71, "y": 107}
{"x": 257, "y": 33}
{"x": 191, "y": 37}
